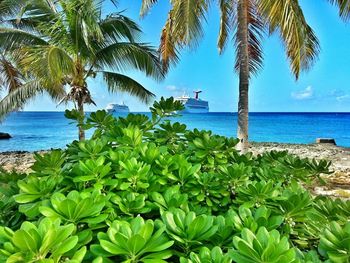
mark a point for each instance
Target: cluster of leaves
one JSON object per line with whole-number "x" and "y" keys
{"x": 149, "y": 190}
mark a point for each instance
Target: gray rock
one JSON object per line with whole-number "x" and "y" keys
{"x": 4, "y": 136}
{"x": 326, "y": 140}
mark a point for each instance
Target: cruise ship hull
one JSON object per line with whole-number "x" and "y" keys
{"x": 195, "y": 110}
{"x": 118, "y": 110}
{"x": 194, "y": 105}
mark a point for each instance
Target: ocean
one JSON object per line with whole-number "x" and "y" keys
{"x": 34, "y": 131}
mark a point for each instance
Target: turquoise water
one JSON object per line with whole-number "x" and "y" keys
{"x": 45, "y": 130}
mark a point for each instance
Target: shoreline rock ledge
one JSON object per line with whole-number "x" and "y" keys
{"x": 5, "y": 136}
{"x": 326, "y": 140}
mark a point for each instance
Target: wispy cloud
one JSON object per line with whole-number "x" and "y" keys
{"x": 171, "y": 88}
{"x": 343, "y": 97}
{"x": 176, "y": 90}
{"x": 339, "y": 95}
{"x": 305, "y": 94}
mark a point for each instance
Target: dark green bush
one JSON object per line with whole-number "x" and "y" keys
{"x": 149, "y": 190}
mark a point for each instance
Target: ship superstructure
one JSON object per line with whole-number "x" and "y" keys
{"x": 114, "y": 107}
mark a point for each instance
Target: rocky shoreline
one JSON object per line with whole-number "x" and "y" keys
{"x": 338, "y": 183}
{"x": 339, "y": 156}
{"x": 19, "y": 161}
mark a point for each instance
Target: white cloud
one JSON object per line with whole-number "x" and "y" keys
{"x": 171, "y": 88}
{"x": 343, "y": 97}
{"x": 339, "y": 95}
{"x": 176, "y": 90}
{"x": 336, "y": 93}
{"x": 303, "y": 94}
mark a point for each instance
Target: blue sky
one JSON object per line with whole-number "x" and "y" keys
{"x": 326, "y": 87}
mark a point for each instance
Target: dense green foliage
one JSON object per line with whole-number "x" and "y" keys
{"x": 149, "y": 190}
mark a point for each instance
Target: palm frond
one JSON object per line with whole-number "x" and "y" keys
{"x": 34, "y": 8}
{"x": 146, "y": 6}
{"x": 83, "y": 24}
{"x": 18, "y": 9}
{"x": 49, "y": 64}
{"x": 117, "y": 27}
{"x": 344, "y": 8}
{"x": 52, "y": 5}
{"x": 118, "y": 82}
{"x": 226, "y": 22}
{"x": 251, "y": 29}
{"x": 168, "y": 47}
{"x": 182, "y": 28}
{"x": 17, "y": 98}
{"x": 10, "y": 76}
{"x": 36, "y": 17}
{"x": 114, "y": 2}
{"x": 301, "y": 43}
{"x": 188, "y": 16}
{"x": 10, "y": 8}
{"x": 25, "y": 24}
{"x": 13, "y": 38}
{"x": 125, "y": 56}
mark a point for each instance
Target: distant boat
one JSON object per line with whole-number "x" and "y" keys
{"x": 193, "y": 105}
{"x": 115, "y": 108}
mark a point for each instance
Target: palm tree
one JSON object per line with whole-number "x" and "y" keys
{"x": 248, "y": 21}
{"x": 59, "y": 45}
{"x": 10, "y": 77}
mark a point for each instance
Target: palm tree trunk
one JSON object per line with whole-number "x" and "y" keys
{"x": 242, "y": 34}
{"x": 81, "y": 112}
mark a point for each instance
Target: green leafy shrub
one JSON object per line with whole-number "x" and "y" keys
{"x": 335, "y": 243}
{"x": 333, "y": 210}
{"x": 209, "y": 256}
{"x": 35, "y": 192}
{"x": 301, "y": 221}
{"x": 49, "y": 164}
{"x": 47, "y": 242}
{"x": 131, "y": 203}
{"x": 9, "y": 214}
{"x": 263, "y": 247}
{"x": 261, "y": 217}
{"x": 137, "y": 241}
{"x": 171, "y": 198}
{"x": 147, "y": 189}
{"x": 258, "y": 193}
{"x": 188, "y": 229}
{"x": 76, "y": 208}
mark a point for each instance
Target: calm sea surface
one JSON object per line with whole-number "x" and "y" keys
{"x": 45, "y": 130}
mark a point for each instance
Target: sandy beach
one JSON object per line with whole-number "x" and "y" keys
{"x": 338, "y": 183}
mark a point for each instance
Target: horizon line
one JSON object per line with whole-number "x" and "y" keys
{"x": 208, "y": 112}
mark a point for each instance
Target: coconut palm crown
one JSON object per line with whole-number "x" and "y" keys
{"x": 57, "y": 46}
{"x": 247, "y": 22}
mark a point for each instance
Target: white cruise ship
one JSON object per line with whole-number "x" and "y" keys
{"x": 114, "y": 107}
{"x": 193, "y": 105}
